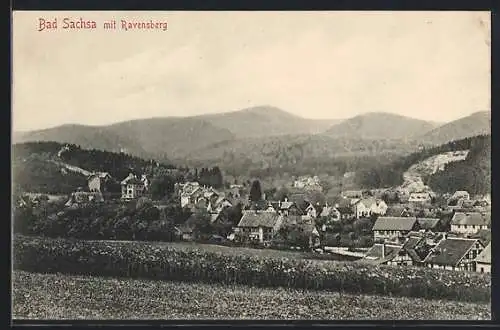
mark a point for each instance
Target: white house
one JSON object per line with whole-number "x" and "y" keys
{"x": 483, "y": 260}
{"x": 367, "y": 206}
{"x": 258, "y": 225}
{"x": 470, "y": 223}
{"x": 132, "y": 187}
{"x": 393, "y": 228}
{"x": 97, "y": 181}
{"x": 461, "y": 194}
{"x": 420, "y": 197}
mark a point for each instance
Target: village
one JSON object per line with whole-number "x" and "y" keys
{"x": 400, "y": 227}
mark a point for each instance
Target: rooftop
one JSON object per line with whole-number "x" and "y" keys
{"x": 395, "y": 223}
{"x": 473, "y": 218}
{"x": 450, "y": 251}
{"x": 258, "y": 219}
{"x": 485, "y": 255}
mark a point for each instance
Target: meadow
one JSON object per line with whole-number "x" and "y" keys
{"x": 168, "y": 262}
{"x": 57, "y": 296}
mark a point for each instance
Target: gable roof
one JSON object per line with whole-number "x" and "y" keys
{"x": 258, "y": 219}
{"x": 374, "y": 255}
{"x": 128, "y": 178}
{"x": 352, "y": 193}
{"x": 395, "y": 223}
{"x": 410, "y": 247}
{"x": 420, "y": 195}
{"x": 395, "y": 211}
{"x": 450, "y": 251}
{"x": 286, "y": 205}
{"x": 459, "y": 193}
{"x": 367, "y": 202}
{"x": 327, "y": 211}
{"x": 428, "y": 223}
{"x": 470, "y": 219}
{"x": 345, "y": 206}
{"x": 485, "y": 255}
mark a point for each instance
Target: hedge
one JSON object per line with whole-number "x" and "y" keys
{"x": 155, "y": 261}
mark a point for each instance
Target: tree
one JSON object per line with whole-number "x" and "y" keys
{"x": 202, "y": 226}
{"x": 255, "y": 191}
{"x": 162, "y": 186}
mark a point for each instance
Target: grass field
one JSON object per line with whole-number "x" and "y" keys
{"x": 245, "y": 251}
{"x": 54, "y": 296}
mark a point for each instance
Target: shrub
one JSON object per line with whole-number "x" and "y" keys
{"x": 142, "y": 259}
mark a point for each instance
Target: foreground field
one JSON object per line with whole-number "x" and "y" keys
{"x": 239, "y": 251}
{"x": 152, "y": 261}
{"x": 54, "y": 296}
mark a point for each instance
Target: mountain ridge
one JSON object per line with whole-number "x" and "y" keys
{"x": 178, "y": 137}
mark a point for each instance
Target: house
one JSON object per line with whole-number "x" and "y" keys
{"x": 188, "y": 192}
{"x": 345, "y": 208}
{"x": 184, "y": 232}
{"x": 99, "y": 181}
{"x": 260, "y": 205}
{"x": 367, "y": 206}
{"x": 420, "y": 198}
{"x": 483, "y": 260}
{"x": 393, "y": 228}
{"x": 133, "y": 187}
{"x": 305, "y": 233}
{"x": 218, "y": 205}
{"x": 288, "y": 208}
{"x": 461, "y": 195}
{"x": 397, "y": 211}
{"x": 296, "y": 228}
{"x": 470, "y": 223}
{"x": 313, "y": 211}
{"x": 381, "y": 253}
{"x": 454, "y": 254}
{"x": 307, "y": 182}
{"x": 330, "y": 212}
{"x": 81, "y": 197}
{"x": 429, "y": 224}
{"x": 258, "y": 225}
{"x": 352, "y": 194}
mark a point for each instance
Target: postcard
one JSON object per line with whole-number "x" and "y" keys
{"x": 204, "y": 165}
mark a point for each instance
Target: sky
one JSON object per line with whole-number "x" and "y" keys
{"x": 428, "y": 65}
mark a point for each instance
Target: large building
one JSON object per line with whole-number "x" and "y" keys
{"x": 133, "y": 187}
{"x": 455, "y": 254}
{"x": 393, "y": 228}
{"x": 470, "y": 223}
{"x": 258, "y": 225}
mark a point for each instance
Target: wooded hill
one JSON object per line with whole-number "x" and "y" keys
{"x": 473, "y": 174}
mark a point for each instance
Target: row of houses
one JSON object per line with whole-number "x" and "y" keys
{"x": 436, "y": 251}
{"x": 396, "y": 228}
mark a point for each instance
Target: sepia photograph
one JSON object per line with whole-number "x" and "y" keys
{"x": 258, "y": 165}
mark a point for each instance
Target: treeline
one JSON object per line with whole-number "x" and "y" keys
{"x": 297, "y": 155}
{"x": 390, "y": 173}
{"x": 36, "y": 171}
{"x": 116, "y": 164}
{"x": 136, "y": 220}
{"x": 209, "y": 177}
{"x": 37, "y": 175}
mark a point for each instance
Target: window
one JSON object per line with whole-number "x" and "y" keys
{"x": 482, "y": 270}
